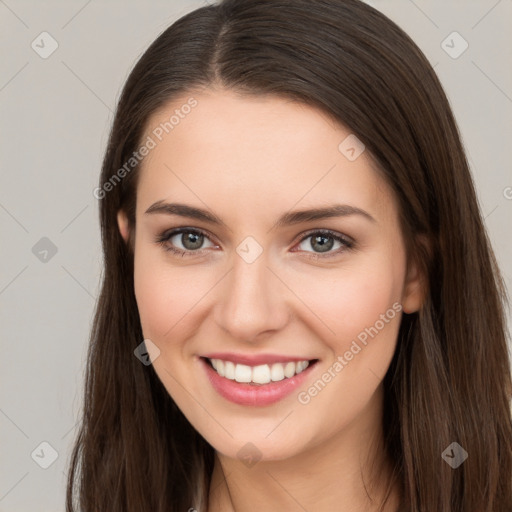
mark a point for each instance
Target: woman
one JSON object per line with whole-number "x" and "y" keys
{"x": 300, "y": 309}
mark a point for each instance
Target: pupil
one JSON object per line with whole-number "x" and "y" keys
{"x": 323, "y": 246}
{"x": 191, "y": 240}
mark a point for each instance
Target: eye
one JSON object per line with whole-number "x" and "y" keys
{"x": 323, "y": 240}
{"x": 190, "y": 239}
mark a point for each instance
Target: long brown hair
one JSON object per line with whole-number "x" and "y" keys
{"x": 450, "y": 378}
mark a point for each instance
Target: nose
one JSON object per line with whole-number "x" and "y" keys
{"x": 252, "y": 301}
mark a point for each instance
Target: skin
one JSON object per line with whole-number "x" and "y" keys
{"x": 249, "y": 160}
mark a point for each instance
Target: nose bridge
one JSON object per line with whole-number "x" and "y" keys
{"x": 252, "y": 300}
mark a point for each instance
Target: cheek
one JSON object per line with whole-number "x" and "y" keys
{"x": 363, "y": 309}
{"x": 353, "y": 300}
{"x": 165, "y": 296}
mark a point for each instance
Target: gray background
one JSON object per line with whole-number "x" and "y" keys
{"x": 56, "y": 113}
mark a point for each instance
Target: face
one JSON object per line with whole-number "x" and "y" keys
{"x": 329, "y": 290}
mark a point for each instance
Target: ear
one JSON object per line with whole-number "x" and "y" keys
{"x": 416, "y": 284}
{"x": 122, "y": 222}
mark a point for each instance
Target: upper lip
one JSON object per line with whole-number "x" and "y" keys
{"x": 256, "y": 359}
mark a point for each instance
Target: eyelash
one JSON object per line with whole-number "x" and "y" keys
{"x": 164, "y": 237}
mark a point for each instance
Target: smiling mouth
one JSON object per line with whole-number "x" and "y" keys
{"x": 258, "y": 375}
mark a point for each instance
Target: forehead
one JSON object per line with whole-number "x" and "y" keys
{"x": 254, "y": 152}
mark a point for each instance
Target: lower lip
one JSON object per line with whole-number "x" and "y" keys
{"x": 255, "y": 395}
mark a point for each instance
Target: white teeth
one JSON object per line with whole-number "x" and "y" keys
{"x": 229, "y": 370}
{"x": 301, "y": 366}
{"x": 277, "y": 372}
{"x": 242, "y": 373}
{"x": 261, "y": 374}
{"x": 289, "y": 369}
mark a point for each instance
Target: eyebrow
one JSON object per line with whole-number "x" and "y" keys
{"x": 287, "y": 219}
